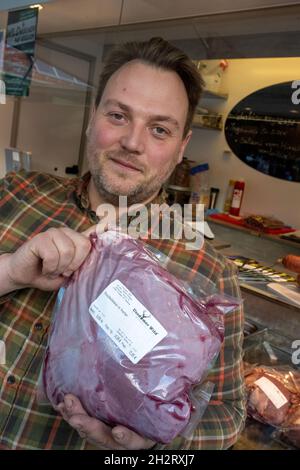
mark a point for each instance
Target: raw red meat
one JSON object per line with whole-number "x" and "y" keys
{"x": 261, "y": 405}
{"x": 152, "y": 396}
{"x": 291, "y": 427}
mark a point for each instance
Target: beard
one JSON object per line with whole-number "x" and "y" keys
{"x": 110, "y": 189}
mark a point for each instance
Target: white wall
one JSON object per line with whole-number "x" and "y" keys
{"x": 50, "y": 126}
{"x": 6, "y": 113}
{"x": 263, "y": 194}
{"x": 93, "y": 47}
{"x": 51, "y": 120}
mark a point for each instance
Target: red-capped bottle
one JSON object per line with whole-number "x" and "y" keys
{"x": 237, "y": 198}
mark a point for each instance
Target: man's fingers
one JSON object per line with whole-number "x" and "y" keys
{"x": 60, "y": 408}
{"x": 82, "y": 248}
{"x": 45, "y": 250}
{"x": 94, "y": 431}
{"x": 89, "y": 428}
{"x": 61, "y": 250}
{"x": 99, "y": 433}
{"x": 55, "y": 249}
{"x": 47, "y": 258}
{"x": 130, "y": 440}
{"x": 66, "y": 250}
{"x": 73, "y": 405}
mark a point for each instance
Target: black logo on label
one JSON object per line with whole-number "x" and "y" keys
{"x": 142, "y": 316}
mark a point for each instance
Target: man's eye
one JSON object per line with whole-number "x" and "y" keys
{"x": 160, "y": 131}
{"x": 116, "y": 116}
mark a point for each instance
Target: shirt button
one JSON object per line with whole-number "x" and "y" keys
{"x": 38, "y": 326}
{"x": 11, "y": 379}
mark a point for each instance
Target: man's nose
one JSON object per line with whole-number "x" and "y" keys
{"x": 133, "y": 137}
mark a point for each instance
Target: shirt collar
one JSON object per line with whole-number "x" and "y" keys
{"x": 82, "y": 200}
{"x": 81, "y": 197}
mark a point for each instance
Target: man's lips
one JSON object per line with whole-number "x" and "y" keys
{"x": 125, "y": 164}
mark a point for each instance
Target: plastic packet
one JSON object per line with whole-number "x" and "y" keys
{"x": 273, "y": 397}
{"x": 200, "y": 396}
{"x": 290, "y": 430}
{"x": 130, "y": 339}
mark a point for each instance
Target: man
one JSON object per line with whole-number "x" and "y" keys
{"x": 137, "y": 135}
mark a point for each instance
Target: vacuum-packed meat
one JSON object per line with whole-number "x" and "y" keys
{"x": 129, "y": 340}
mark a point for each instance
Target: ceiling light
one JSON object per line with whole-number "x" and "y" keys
{"x": 37, "y": 5}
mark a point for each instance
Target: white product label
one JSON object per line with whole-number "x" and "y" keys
{"x": 236, "y": 199}
{"x": 273, "y": 393}
{"x": 126, "y": 321}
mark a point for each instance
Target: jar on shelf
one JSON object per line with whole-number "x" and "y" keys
{"x": 200, "y": 185}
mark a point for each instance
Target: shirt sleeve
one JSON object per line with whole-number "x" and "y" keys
{"x": 224, "y": 417}
{"x": 4, "y": 194}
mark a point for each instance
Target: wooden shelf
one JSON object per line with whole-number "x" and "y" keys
{"x": 217, "y": 126}
{"x": 200, "y": 126}
{"x": 255, "y": 233}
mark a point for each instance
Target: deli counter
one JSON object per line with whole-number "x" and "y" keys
{"x": 272, "y": 316}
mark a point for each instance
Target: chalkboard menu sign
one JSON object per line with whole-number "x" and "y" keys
{"x": 263, "y": 130}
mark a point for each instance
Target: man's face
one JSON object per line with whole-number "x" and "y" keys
{"x": 135, "y": 137}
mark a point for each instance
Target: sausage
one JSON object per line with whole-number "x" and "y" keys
{"x": 292, "y": 262}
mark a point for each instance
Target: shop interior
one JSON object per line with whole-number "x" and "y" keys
{"x": 246, "y": 129}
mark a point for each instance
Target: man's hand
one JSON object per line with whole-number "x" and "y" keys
{"x": 44, "y": 261}
{"x": 98, "y": 433}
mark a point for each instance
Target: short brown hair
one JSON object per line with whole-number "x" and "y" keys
{"x": 161, "y": 54}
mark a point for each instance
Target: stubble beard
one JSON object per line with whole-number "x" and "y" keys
{"x": 110, "y": 192}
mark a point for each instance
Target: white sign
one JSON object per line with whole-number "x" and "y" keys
{"x": 21, "y": 32}
{"x": 127, "y": 321}
{"x": 273, "y": 393}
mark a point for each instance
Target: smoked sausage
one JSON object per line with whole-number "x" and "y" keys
{"x": 292, "y": 262}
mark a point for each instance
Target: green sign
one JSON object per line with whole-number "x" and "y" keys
{"x": 19, "y": 51}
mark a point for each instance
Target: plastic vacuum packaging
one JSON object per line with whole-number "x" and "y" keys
{"x": 290, "y": 430}
{"x": 273, "y": 397}
{"x": 133, "y": 332}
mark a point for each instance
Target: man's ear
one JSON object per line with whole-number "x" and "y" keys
{"x": 184, "y": 143}
{"x": 91, "y": 119}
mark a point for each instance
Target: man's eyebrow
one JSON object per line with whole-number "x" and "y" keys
{"x": 163, "y": 118}
{"x": 117, "y": 103}
{"x": 156, "y": 117}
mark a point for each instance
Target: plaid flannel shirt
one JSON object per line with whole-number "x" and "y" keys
{"x": 32, "y": 203}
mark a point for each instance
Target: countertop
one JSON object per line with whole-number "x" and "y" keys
{"x": 256, "y": 233}
{"x": 276, "y": 318}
